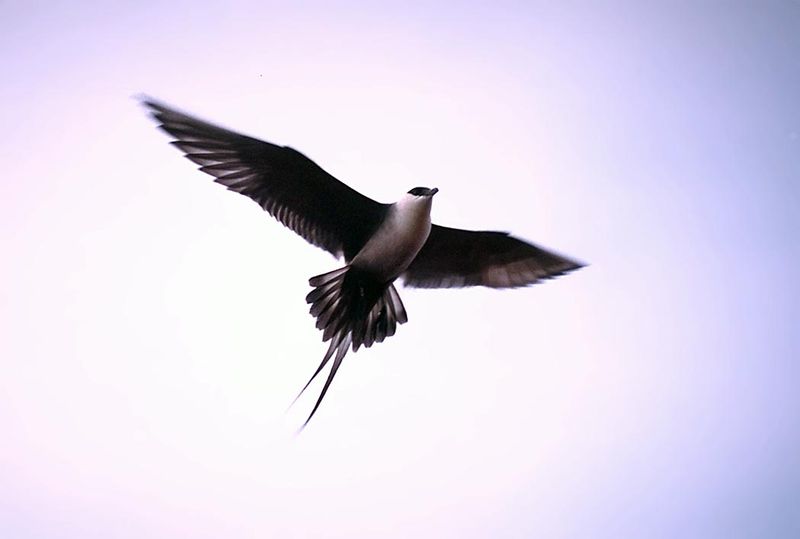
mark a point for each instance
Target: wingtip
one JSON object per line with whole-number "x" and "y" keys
{"x": 147, "y": 101}
{"x": 577, "y": 264}
{"x": 157, "y": 108}
{"x": 574, "y": 265}
{"x": 152, "y": 106}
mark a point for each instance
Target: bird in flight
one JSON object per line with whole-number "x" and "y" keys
{"x": 357, "y": 304}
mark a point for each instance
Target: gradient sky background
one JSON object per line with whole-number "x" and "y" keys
{"x": 154, "y": 328}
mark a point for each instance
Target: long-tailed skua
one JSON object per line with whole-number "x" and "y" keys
{"x": 357, "y": 304}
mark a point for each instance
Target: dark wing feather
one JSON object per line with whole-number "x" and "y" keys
{"x": 454, "y": 258}
{"x": 287, "y": 184}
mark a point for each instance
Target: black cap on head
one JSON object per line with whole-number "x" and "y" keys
{"x": 423, "y": 191}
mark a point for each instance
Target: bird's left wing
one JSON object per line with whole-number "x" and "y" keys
{"x": 452, "y": 258}
{"x": 284, "y": 182}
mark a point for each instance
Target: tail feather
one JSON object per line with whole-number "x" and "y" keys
{"x": 342, "y": 351}
{"x": 330, "y": 312}
{"x": 328, "y": 355}
{"x": 397, "y": 304}
{"x": 369, "y": 334}
{"x": 352, "y": 310}
{"x": 327, "y": 277}
{"x": 321, "y": 292}
{"x": 381, "y": 325}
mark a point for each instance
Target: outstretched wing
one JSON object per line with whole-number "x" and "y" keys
{"x": 455, "y": 258}
{"x": 287, "y": 184}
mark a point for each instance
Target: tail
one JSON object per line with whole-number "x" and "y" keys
{"x": 352, "y": 309}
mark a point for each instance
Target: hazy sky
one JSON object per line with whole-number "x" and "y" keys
{"x": 154, "y": 327}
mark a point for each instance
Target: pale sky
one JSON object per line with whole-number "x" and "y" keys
{"x": 155, "y": 328}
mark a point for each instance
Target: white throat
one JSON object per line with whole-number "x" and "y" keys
{"x": 398, "y": 239}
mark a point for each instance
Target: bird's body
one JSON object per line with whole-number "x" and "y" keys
{"x": 399, "y": 238}
{"x": 357, "y": 304}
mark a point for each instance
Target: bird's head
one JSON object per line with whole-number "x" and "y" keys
{"x": 423, "y": 192}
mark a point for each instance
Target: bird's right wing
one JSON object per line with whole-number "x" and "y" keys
{"x": 284, "y": 182}
{"x": 452, "y": 258}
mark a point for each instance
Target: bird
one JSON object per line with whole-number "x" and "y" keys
{"x": 356, "y": 304}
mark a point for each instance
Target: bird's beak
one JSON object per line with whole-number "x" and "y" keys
{"x": 434, "y": 191}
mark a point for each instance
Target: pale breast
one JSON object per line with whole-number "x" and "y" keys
{"x": 398, "y": 240}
